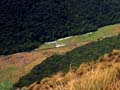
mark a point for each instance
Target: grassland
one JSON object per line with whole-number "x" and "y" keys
{"x": 76, "y": 57}
{"x": 102, "y": 74}
{"x": 6, "y": 74}
{"x": 12, "y": 67}
{"x": 10, "y": 73}
{"x": 101, "y": 33}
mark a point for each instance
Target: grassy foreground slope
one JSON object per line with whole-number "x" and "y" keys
{"x": 57, "y": 63}
{"x": 103, "y": 74}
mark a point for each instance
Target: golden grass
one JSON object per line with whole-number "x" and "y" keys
{"x": 99, "y": 75}
{"x": 106, "y": 79}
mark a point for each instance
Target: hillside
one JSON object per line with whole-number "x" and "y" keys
{"x": 17, "y": 65}
{"x": 26, "y": 24}
{"x": 12, "y": 67}
{"x": 57, "y": 63}
{"x": 59, "y": 44}
{"x": 79, "y": 40}
{"x": 102, "y": 74}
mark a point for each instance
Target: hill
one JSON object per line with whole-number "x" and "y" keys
{"x": 26, "y": 24}
{"x": 17, "y": 65}
{"x": 57, "y": 63}
{"x": 102, "y": 74}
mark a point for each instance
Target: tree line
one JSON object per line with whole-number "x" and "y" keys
{"x": 26, "y": 24}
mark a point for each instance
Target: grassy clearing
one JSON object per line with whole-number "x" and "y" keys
{"x": 6, "y": 85}
{"x": 6, "y": 77}
{"x": 7, "y": 73}
{"x": 107, "y": 31}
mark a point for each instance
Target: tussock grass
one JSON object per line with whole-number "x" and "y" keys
{"x": 106, "y": 79}
{"x": 103, "y": 74}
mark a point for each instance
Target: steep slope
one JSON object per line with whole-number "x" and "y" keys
{"x": 76, "y": 57}
{"x": 17, "y": 65}
{"x": 102, "y": 74}
{"x": 25, "y": 24}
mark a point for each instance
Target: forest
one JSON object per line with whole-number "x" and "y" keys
{"x": 61, "y": 63}
{"x": 26, "y": 24}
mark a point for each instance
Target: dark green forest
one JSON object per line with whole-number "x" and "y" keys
{"x": 57, "y": 63}
{"x": 26, "y": 24}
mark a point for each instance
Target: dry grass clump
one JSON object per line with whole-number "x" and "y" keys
{"x": 102, "y": 75}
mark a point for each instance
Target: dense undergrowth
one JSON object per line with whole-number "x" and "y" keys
{"x": 24, "y": 25}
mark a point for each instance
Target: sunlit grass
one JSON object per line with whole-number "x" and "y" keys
{"x": 107, "y": 31}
